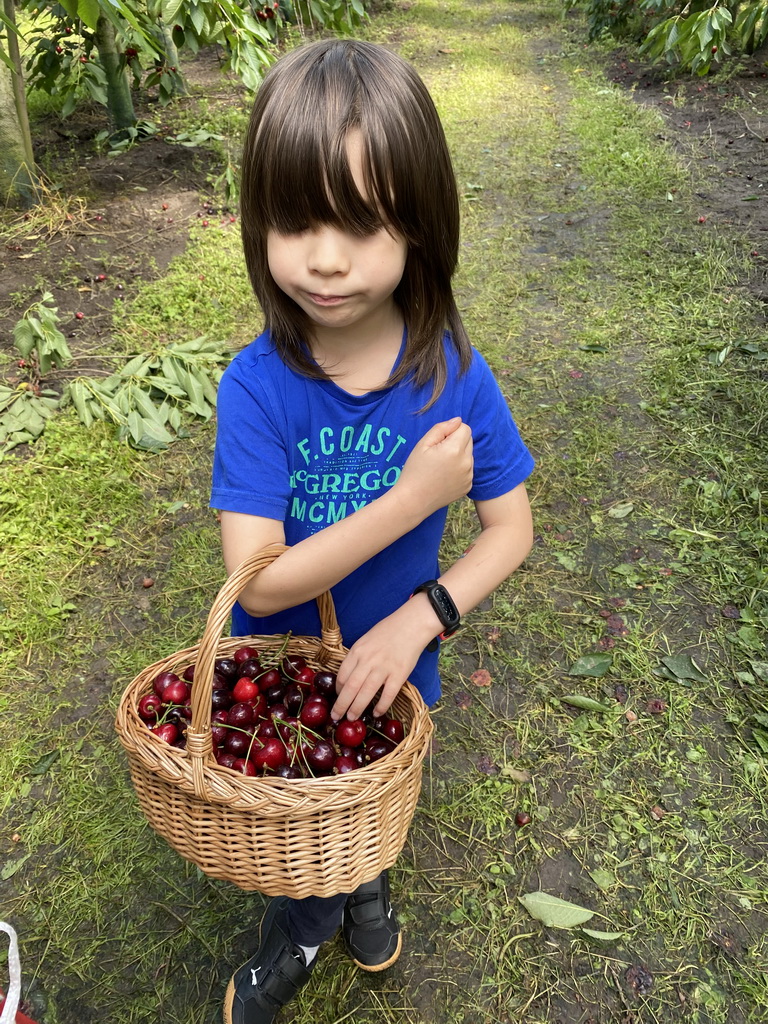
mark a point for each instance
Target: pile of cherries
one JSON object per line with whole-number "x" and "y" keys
{"x": 271, "y": 719}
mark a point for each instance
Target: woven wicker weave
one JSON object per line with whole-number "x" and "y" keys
{"x": 297, "y": 837}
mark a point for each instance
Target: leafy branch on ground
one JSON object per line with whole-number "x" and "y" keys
{"x": 147, "y": 399}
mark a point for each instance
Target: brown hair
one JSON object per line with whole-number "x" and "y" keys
{"x": 296, "y": 174}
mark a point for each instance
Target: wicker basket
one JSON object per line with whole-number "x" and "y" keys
{"x": 283, "y": 837}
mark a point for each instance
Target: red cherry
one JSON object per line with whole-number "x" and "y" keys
{"x": 344, "y": 764}
{"x": 522, "y": 818}
{"x": 245, "y": 689}
{"x": 292, "y": 664}
{"x": 237, "y": 743}
{"x": 167, "y": 731}
{"x": 315, "y": 713}
{"x": 289, "y": 771}
{"x": 270, "y": 756}
{"x": 225, "y": 759}
{"x": 244, "y": 766}
{"x": 163, "y": 680}
{"x": 244, "y": 653}
{"x": 188, "y": 673}
{"x": 377, "y": 748}
{"x": 149, "y": 707}
{"x": 267, "y": 731}
{"x": 351, "y": 734}
{"x": 176, "y": 692}
{"x": 306, "y": 676}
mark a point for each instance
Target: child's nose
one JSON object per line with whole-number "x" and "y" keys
{"x": 328, "y": 254}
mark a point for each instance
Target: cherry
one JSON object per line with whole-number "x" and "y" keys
{"x": 351, "y": 733}
{"x": 237, "y": 743}
{"x": 163, "y": 680}
{"x": 220, "y": 681}
{"x": 189, "y": 673}
{"x": 294, "y": 698}
{"x": 244, "y": 766}
{"x": 167, "y": 731}
{"x": 176, "y": 692}
{"x": 219, "y": 733}
{"x": 227, "y": 666}
{"x": 522, "y": 818}
{"x": 394, "y": 730}
{"x": 241, "y": 715}
{"x": 225, "y": 759}
{"x": 287, "y": 728}
{"x": 274, "y": 694}
{"x": 245, "y": 689}
{"x": 260, "y": 708}
{"x": 344, "y": 764}
{"x": 250, "y": 667}
{"x": 279, "y": 713}
{"x": 243, "y": 654}
{"x": 377, "y": 748}
{"x": 321, "y": 756}
{"x": 315, "y": 713}
{"x": 289, "y": 771}
{"x": 266, "y": 731}
{"x": 270, "y": 756}
{"x": 221, "y": 699}
{"x": 149, "y": 707}
{"x": 292, "y": 664}
{"x": 186, "y": 709}
{"x": 268, "y": 679}
{"x": 325, "y": 683}
{"x": 306, "y": 677}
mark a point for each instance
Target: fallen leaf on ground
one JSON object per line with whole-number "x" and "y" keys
{"x": 481, "y": 677}
{"x": 554, "y": 912}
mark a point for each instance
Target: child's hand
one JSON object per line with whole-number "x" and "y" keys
{"x": 382, "y": 659}
{"x": 439, "y": 469}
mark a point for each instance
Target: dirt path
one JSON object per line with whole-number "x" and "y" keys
{"x": 599, "y": 294}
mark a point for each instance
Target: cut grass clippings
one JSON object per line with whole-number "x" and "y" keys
{"x": 600, "y": 303}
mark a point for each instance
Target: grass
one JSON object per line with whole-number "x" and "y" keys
{"x": 599, "y": 301}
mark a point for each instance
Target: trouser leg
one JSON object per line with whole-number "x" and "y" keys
{"x": 315, "y": 919}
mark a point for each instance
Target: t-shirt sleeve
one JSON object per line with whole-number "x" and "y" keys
{"x": 502, "y": 460}
{"x": 250, "y": 464}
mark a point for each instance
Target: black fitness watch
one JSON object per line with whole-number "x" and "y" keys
{"x": 444, "y": 608}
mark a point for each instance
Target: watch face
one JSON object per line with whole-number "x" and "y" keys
{"x": 444, "y": 606}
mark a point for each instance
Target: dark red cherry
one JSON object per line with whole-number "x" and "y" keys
{"x": 325, "y": 683}
{"x": 378, "y": 748}
{"x": 189, "y": 673}
{"x": 268, "y": 679}
{"x": 221, "y": 699}
{"x": 244, "y": 766}
{"x": 293, "y": 698}
{"x": 315, "y": 713}
{"x": 321, "y": 756}
{"x": 289, "y": 771}
{"x": 225, "y": 759}
{"x": 177, "y": 692}
{"x": 279, "y": 713}
{"x": 244, "y": 653}
{"x": 149, "y": 707}
{"x": 237, "y": 743}
{"x": 167, "y": 731}
{"x": 241, "y": 715}
{"x": 267, "y": 731}
{"x": 163, "y": 680}
{"x": 228, "y": 668}
{"x": 394, "y": 730}
{"x": 250, "y": 668}
{"x": 292, "y": 664}
{"x": 270, "y": 756}
{"x": 343, "y": 764}
{"x": 305, "y": 677}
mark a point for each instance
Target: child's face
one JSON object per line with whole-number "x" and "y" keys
{"x": 340, "y": 280}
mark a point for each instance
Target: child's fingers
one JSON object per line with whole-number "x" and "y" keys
{"x": 440, "y": 431}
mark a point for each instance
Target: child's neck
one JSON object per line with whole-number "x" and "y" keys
{"x": 359, "y": 358}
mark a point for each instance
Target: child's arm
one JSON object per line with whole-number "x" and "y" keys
{"x": 437, "y": 472}
{"x": 385, "y": 656}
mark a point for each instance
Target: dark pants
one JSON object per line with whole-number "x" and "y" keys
{"x": 315, "y": 919}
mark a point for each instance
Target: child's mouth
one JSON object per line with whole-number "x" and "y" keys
{"x": 327, "y": 300}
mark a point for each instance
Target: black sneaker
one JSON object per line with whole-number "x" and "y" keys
{"x": 369, "y": 926}
{"x": 272, "y": 977}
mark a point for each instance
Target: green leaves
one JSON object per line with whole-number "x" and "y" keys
{"x": 23, "y": 415}
{"x": 149, "y": 398}
{"x": 594, "y": 666}
{"x": 37, "y": 336}
{"x": 554, "y": 912}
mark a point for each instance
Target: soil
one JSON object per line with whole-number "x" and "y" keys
{"x": 140, "y": 205}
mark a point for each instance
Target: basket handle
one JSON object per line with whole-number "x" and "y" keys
{"x": 199, "y": 742}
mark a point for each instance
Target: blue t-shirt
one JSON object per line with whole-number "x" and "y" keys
{"x": 308, "y": 453}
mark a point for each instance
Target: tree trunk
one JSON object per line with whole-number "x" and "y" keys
{"x": 17, "y": 173}
{"x": 17, "y": 161}
{"x": 119, "y": 101}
